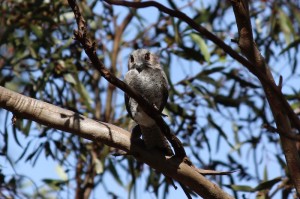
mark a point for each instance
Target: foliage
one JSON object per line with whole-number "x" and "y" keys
{"x": 215, "y": 107}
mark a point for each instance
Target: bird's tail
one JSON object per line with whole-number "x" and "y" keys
{"x": 154, "y": 138}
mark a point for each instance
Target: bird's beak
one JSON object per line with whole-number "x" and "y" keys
{"x": 139, "y": 67}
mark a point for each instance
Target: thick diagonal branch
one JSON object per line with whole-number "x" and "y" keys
{"x": 68, "y": 121}
{"x": 282, "y": 120}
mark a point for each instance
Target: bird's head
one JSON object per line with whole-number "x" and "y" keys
{"x": 141, "y": 59}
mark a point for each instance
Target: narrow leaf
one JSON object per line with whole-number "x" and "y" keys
{"x": 202, "y": 45}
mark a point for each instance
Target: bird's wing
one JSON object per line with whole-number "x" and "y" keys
{"x": 127, "y": 104}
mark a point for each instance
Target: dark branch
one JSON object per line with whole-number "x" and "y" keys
{"x": 90, "y": 49}
{"x": 204, "y": 32}
{"x": 289, "y": 135}
{"x": 282, "y": 119}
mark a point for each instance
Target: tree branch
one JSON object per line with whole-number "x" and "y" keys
{"x": 289, "y": 135}
{"x": 119, "y": 29}
{"x": 90, "y": 49}
{"x": 227, "y": 49}
{"x": 74, "y": 123}
{"x": 282, "y": 119}
{"x": 255, "y": 64}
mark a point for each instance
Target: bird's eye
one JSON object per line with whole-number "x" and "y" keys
{"x": 147, "y": 56}
{"x": 131, "y": 59}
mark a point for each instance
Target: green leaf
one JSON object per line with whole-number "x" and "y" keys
{"x": 267, "y": 184}
{"x": 48, "y": 151}
{"x": 293, "y": 44}
{"x": 54, "y": 184}
{"x": 189, "y": 54}
{"x": 37, "y": 30}
{"x": 114, "y": 172}
{"x": 265, "y": 173}
{"x": 15, "y": 134}
{"x": 234, "y": 75}
{"x": 36, "y": 151}
{"x": 67, "y": 16}
{"x": 69, "y": 78}
{"x": 61, "y": 172}
{"x": 26, "y": 129}
{"x": 219, "y": 129}
{"x": 286, "y": 26}
{"x": 202, "y": 45}
{"x": 32, "y": 52}
{"x": 227, "y": 101}
{"x": 264, "y": 185}
{"x": 211, "y": 71}
{"x": 98, "y": 166}
{"x": 244, "y": 188}
{"x": 84, "y": 94}
{"x": 24, "y": 151}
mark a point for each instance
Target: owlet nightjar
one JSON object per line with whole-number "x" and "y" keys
{"x": 148, "y": 79}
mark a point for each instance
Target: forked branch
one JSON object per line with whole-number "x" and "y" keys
{"x": 227, "y": 49}
{"x": 283, "y": 116}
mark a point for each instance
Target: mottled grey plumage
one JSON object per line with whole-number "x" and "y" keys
{"x": 147, "y": 78}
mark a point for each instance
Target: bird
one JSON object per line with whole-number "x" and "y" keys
{"x": 146, "y": 77}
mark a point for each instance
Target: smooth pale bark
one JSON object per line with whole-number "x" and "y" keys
{"x": 68, "y": 121}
